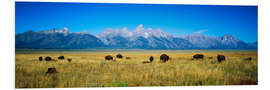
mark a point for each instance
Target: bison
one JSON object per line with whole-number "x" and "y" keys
{"x": 109, "y": 57}
{"x": 61, "y": 57}
{"x": 151, "y": 59}
{"x": 221, "y": 58}
{"x": 164, "y": 57}
{"x": 198, "y": 56}
{"x": 69, "y": 59}
{"x": 128, "y": 57}
{"x": 40, "y": 58}
{"x": 144, "y": 62}
{"x": 119, "y": 56}
{"x": 51, "y": 71}
{"x": 249, "y": 59}
{"x": 48, "y": 58}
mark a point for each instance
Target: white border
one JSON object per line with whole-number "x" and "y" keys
{"x": 7, "y": 38}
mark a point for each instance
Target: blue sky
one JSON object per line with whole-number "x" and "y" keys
{"x": 213, "y": 20}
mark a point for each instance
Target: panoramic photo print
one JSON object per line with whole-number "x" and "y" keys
{"x": 82, "y": 45}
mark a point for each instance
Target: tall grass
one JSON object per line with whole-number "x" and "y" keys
{"x": 89, "y": 69}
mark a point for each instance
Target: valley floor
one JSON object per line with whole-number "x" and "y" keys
{"x": 89, "y": 68}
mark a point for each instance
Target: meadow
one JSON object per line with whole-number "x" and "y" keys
{"x": 88, "y": 68}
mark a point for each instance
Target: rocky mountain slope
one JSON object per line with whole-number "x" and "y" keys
{"x": 140, "y": 38}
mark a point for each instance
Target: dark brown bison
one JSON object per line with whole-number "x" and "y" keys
{"x": 40, "y": 58}
{"x": 221, "y": 58}
{"x": 48, "y": 58}
{"x": 108, "y": 57}
{"x": 61, "y": 57}
{"x": 164, "y": 58}
{"x": 151, "y": 59}
{"x": 51, "y": 71}
{"x": 249, "y": 59}
{"x": 119, "y": 56}
{"x": 198, "y": 56}
{"x": 69, "y": 59}
{"x": 128, "y": 57}
{"x": 210, "y": 57}
{"x": 144, "y": 62}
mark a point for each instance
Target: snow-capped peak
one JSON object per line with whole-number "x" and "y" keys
{"x": 54, "y": 30}
{"x": 139, "y": 28}
{"x": 140, "y": 31}
{"x": 83, "y": 32}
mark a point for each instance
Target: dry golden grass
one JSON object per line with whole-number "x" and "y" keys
{"x": 89, "y": 69}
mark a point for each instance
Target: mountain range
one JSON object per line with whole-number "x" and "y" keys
{"x": 140, "y": 38}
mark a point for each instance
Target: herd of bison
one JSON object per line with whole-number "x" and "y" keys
{"x": 163, "y": 58}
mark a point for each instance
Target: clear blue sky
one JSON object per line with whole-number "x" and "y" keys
{"x": 213, "y": 20}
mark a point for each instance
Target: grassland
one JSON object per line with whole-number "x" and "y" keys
{"x": 89, "y": 69}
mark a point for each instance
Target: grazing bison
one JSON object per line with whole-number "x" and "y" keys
{"x": 221, "y": 58}
{"x": 109, "y": 57}
{"x": 144, "y": 62}
{"x": 198, "y": 56}
{"x": 164, "y": 57}
{"x": 69, "y": 59}
{"x": 61, "y": 57}
{"x": 51, "y": 71}
{"x": 210, "y": 57}
{"x": 128, "y": 57}
{"x": 40, "y": 58}
{"x": 151, "y": 59}
{"x": 249, "y": 59}
{"x": 48, "y": 58}
{"x": 119, "y": 56}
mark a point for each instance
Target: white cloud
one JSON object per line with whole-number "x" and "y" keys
{"x": 200, "y": 31}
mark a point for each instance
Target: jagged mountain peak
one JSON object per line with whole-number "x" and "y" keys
{"x": 136, "y": 38}
{"x": 196, "y": 35}
{"x": 199, "y": 35}
{"x": 229, "y": 37}
{"x": 64, "y": 29}
{"x": 83, "y": 32}
{"x": 139, "y": 32}
{"x": 54, "y": 30}
{"x": 139, "y": 28}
